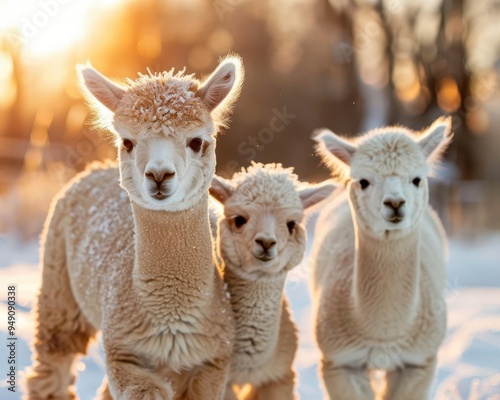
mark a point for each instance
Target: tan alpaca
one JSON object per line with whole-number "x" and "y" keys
{"x": 379, "y": 264}
{"x": 260, "y": 239}
{"x": 137, "y": 263}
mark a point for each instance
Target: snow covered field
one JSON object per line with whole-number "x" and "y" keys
{"x": 469, "y": 360}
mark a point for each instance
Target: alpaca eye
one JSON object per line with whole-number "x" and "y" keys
{"x": 195, "y": 144}
{"x": 239, "y": 221}
{"x": 127, "y": 143}
{"x": 364, "y": 183}
{"x": 291, "y": 226}
{"x": 416, "y": 182}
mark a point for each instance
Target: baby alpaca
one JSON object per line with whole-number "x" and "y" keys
{"x": 260, "y": 239}
{"x": 137, "y": 263}
{"x": 379, "y": 264}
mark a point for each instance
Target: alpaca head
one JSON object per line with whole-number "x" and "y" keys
{"x": 260, "y": 232}
{"x": 165, "y": 126}
{"x": 387, "y": 170}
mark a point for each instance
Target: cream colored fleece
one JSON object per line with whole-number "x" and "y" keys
{"x": 379, "y": 305}
{"x": 147, "y": 280}
{"x": 266, "y": 338}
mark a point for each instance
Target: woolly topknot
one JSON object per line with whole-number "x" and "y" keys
{"x": 163, "y": 102}
{"x": 385, "y": 150}
{"x": 389, "y": 150}
{"x": 257, "y": 171}
{"x": 267, "y": 183}
{"x": 163, "y": 99}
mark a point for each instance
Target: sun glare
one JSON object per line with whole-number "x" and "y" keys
{"x": 45, "y": 27}
{"x": 59, "y": 33}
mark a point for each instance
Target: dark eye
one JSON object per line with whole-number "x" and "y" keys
{"x": 195, "y": 144}
{"x": 239, "y": 221}
{"x": 416, "y": 181}
{"x": 127, "y": 143}
{"x": 291, "y": 225}
{"x": 364, "y": 183}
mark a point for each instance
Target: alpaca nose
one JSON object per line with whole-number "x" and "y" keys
{"x": 266, "y": 242}
{"x": 394, "y": 203}
{"x": 159, "y": 176}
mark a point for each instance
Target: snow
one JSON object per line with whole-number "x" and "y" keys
{"x": 468, "y": 362}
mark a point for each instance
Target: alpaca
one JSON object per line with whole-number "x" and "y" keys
{"x": 137, "y": 263}
{"x": 260, "y": 239}
{"x": 378, "y": 264}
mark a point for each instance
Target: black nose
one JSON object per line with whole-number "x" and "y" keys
{"x": 266, "y": 243}
{"x": 395, "y": 204}
{"x": 159, "y": 176}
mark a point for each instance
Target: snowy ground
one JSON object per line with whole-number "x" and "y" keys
{"x": 469, "y": 360}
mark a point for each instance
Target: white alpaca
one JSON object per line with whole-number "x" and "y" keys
{"x": 260, "y": 239}
{"x": 139, "y": 267}
{"x": 378, "y": 264}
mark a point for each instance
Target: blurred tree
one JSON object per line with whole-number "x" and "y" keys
{"x": 351, "y": 65}
{"x": 417, "y": 59}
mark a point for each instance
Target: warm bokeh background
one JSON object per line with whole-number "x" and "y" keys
{"x": 348, "y": 65}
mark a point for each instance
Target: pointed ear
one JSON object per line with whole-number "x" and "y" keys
{"x": 329, "y": 142}
{"x": 335, "y": 151}
{"x": 313, "y": 194}
{"x": 221, "y": 189}
{"x": 100, "y": 88}
{"x": 436, "y": 139}
{"x": 222, "y": 87}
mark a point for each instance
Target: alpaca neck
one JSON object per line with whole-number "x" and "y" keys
{"x": 257, "y": 311}
{"x": 173, "y": 258}
{"x": 386, "y": 284}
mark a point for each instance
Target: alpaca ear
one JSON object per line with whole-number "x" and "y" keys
{"x": 100, "y": 88}
{"x": 223, "y": 86}
{"x": 436, "y": 139}
{"x": 313, "y": 194}
{"x": 221, "y": 189}
{"x": 335, "y": 152}
{"x": 331, "y": 144}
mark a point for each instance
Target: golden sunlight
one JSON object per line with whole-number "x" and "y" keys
{"x": 45, "y": 27}
{"x": 50, "y": 34}
{"x": 7, "y": 85}
{"x": 406, "y": 80}
{"x": 448, "y": 94}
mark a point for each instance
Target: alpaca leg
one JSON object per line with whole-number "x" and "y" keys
{"x": 61, "y": 332}
{"x": 282, "y": 389}
{"x": 210, "y": 381}
{"x": 410, "y": 383}
{"x": 128, "y": 381}
{"x": 346, "y": 383}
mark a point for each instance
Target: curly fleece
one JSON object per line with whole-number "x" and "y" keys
{"x": 165, "y": 98}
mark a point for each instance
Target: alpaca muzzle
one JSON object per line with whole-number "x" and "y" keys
{"x": 394, "y": 210}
